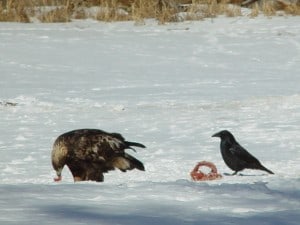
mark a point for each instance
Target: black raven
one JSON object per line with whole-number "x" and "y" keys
{"x": 235, "y": 156}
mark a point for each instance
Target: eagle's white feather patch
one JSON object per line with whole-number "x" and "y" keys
{"x": 121, "y": 163}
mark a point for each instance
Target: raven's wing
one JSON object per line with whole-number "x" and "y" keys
{"x": 242, "y": 154}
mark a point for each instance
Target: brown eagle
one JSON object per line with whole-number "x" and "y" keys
{"x": 89, "y": 153}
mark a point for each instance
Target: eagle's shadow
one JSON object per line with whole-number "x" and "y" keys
{"x": 88, "y": 215}
{"x": 106, "y": 214}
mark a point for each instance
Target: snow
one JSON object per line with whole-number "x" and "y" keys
{"x": 169, "y": 87}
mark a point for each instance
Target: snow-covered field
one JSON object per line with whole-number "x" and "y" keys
{"x": 169, "y": 87}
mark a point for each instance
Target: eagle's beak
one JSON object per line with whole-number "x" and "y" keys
{"x": 57, "y": 179}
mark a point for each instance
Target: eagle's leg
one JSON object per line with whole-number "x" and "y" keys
{"x": 77, "y": 178}
{"x": 78, "y": 171}
{"x": 99, "y": 178}
{"x": 95, "y": 176}
{"x": 94, "y": 172}
{"x": 83, "y": 171}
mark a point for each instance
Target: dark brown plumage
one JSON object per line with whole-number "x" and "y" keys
{"x": 89, "y": 153}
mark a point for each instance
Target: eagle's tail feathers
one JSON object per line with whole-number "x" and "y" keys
{"x": 127, "y": 162}
{"x": 129, "y": 144}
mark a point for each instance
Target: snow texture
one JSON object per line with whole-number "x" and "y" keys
{"x": 169, "y": 87}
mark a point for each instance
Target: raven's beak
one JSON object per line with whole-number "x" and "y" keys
{"x": 216, "y": 134}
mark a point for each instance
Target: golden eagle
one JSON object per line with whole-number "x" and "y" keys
{"x": 89, "y": 153}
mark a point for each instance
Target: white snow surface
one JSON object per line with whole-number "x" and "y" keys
{"x": 169, "y": 87}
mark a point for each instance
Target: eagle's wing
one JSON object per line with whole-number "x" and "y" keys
{"x": 92, "y": 155}
{"x": 97, "y": 148}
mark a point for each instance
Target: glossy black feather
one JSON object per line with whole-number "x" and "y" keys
{"x": 235, "y": 156}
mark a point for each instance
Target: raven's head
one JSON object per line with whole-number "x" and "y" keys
{"x": 224, "y": 134}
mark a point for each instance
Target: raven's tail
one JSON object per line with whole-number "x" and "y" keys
{"x": 265, "y": 169}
